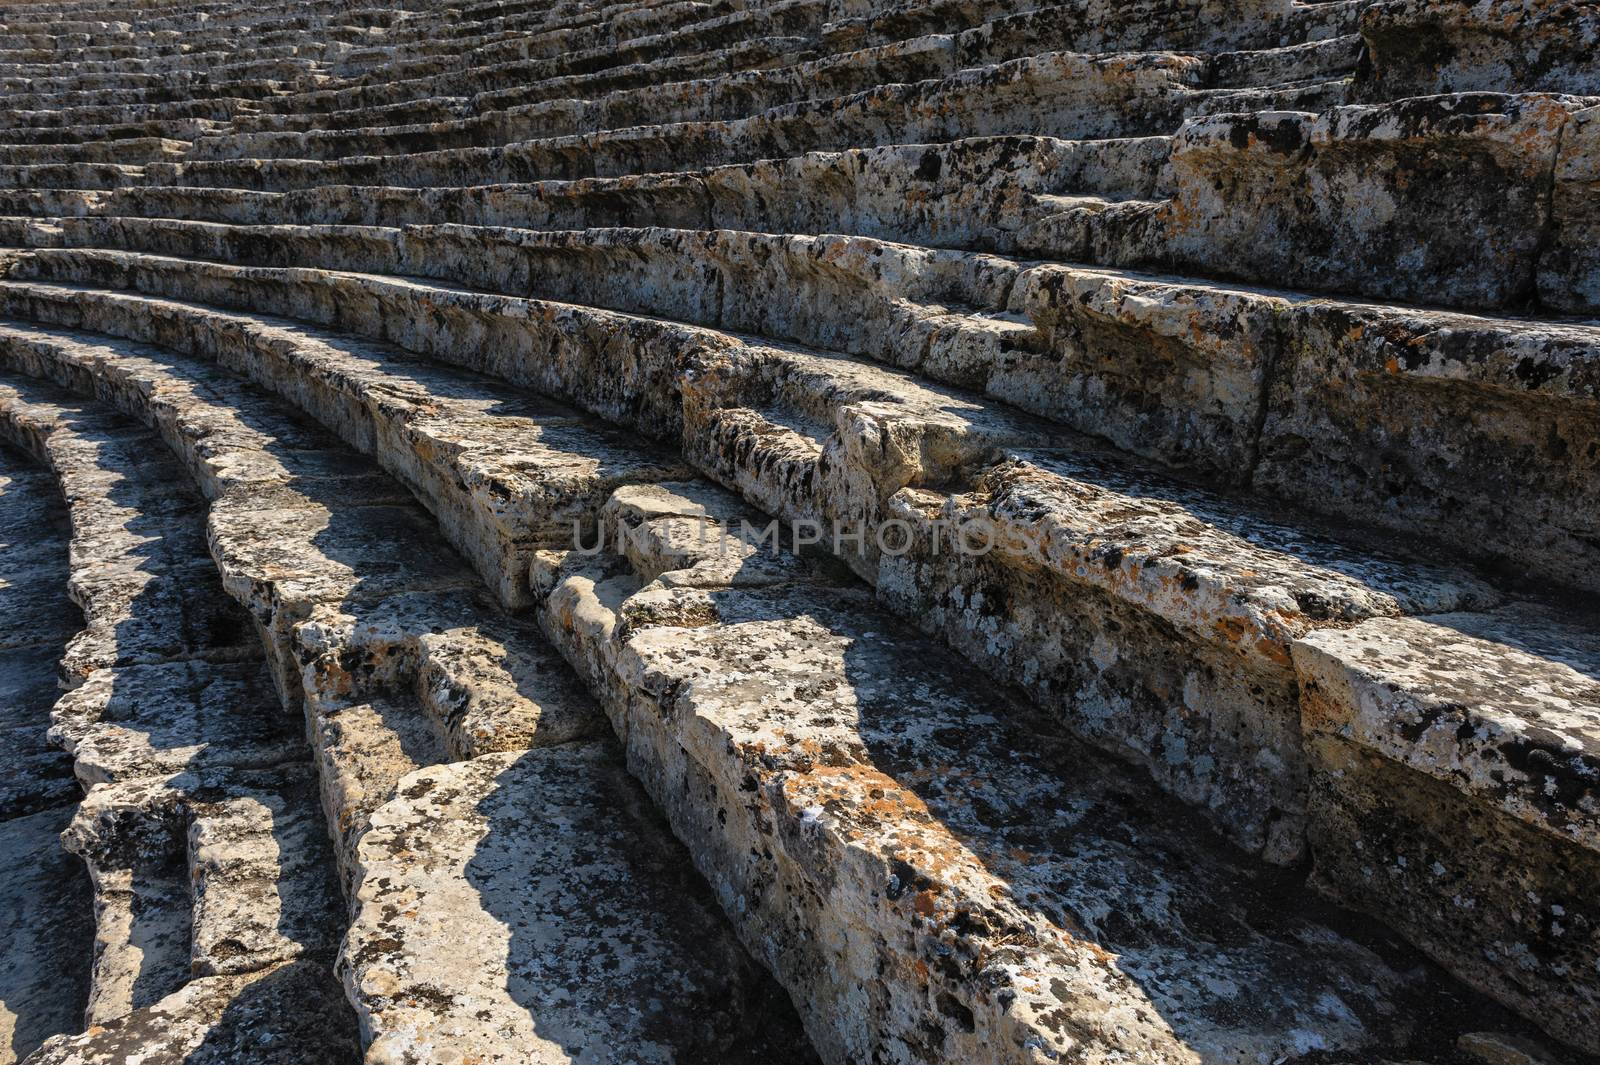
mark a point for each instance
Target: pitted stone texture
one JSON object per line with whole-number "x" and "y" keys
{"x": 210, "y": 872}
{"x": 1152, "y": 617}
{"x": 1443, "y": 200}
{"x": 489, "y": 683}
{"x": 145, "y": 721}
{"x": 1455, "y": 767}
{"x": 529, "y": 907}
{"x": 292, "y": 1014}
{"x": 1422, "y": 47}
{"x": 33, "y": 556}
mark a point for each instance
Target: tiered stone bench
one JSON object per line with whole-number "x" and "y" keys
{"x": 1256, "y": 343}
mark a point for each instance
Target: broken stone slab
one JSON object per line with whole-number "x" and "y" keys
{"x": 488, "y": 683}
{"x": 46, "y": 922}
{"x": 530, "y": 906}
{"x": 217, "y": 871}
{"x": 155, "y": 720}
{"x": 293, "y": 1013}
{"x": 1455, "y": 769}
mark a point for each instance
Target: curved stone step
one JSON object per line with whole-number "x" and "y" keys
{"x": 803, "y": 742}
{"x": 368, "y": 730}
{"x": 548, "y": 956}
{"x": 1224, "y": 380}
{"x": 1056, "y": 94}
{"x": 1070, "y": 538}
{"x": 288, "y": 1015}
{"x": 817, "y": 437}
{"x": 846, "y": 611}
{"x": 160, "y": 747}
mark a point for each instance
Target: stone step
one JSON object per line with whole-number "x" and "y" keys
{"x": 1513, "y": 241}
{"x": 1251, "y": 202}
{"x": 184, "y": 129}
{"x": 368, "y": 733}
{"x": 746, "y": 436}
{"x": 1488, "y": 726}
{"x": 740, "y": 95}
{"x": 33, "y": 590}
{"x": 454, "y": 852}
{"x": 1278, "y": 367}
{"x": 1055, "y": 95}
{"x": 938, "y": 706}
{"x": 890, "y": 811}
{"x": 980, "y": 193}
{"x": 46, "y": 908}
{"x": 132, "y": 151}
{"x": 288, "y": 1015}
{"x": 1077, "y": 516}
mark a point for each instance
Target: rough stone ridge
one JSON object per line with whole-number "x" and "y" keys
{"x": 895, "y": 531}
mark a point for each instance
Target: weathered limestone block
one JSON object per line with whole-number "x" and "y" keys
{"x": 222, "y": 871}
{"x": 69, "y": 175}
{"x": 1422, "y": 421}
{"x": 1440, "y": 200}
{"x": 282, "y": 557}
{"x": 977, "y": 193}
{"x": 1456, "y": 790}
{"x": 1418, "y": 47}
{"x": 1152, "y": 618}
{"x": 292, "y": 1014}
{"x": 1168, "y": 370}
{"x": 489, "y": 684}
{"x": 155, "y": 720}
{"x": 530, "y": 907}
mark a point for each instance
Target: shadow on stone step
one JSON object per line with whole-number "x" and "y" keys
{"x": 616, "y": 933}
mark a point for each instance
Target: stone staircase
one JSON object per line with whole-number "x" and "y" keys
{"x": 790, "y": 530}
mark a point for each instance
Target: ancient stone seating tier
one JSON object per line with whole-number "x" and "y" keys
{"x": 675, "y": 531}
